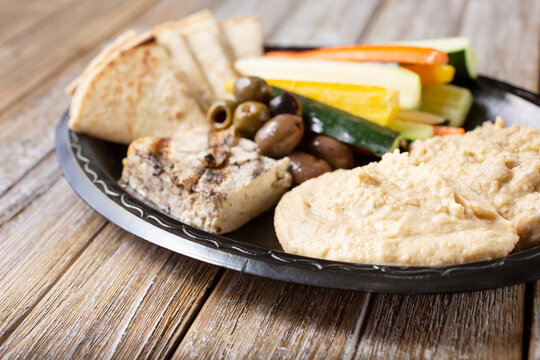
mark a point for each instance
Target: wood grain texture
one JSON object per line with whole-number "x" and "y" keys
{"x": 73, "y": 285}
{"x": 17, "y": 18}
{"x": 123, "y": 297}
{"x": 37, "y": 246}
{"x": 339, "y": 23}
{"x": 257, "y": 318}
{"x": 27, "y": 132}
{"x": 415, "y": 19}
{"x": 480, "y": 325}
{"x": 40, "y": 178}
{"x": 60, "y": 40}
{"x": 506, "y": 38}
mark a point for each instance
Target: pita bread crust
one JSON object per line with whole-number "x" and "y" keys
{"x": 103, "y": 57}
{"x": 245, "y": 36}
{"x": 184, "y": 62}
{"x": 135, "y": 94}
{"x": 211, "y": 50}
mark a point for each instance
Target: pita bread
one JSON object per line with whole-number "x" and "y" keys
{"x": 184, "y": 62}
{"x": 135, "y": 94}
{"x": 245, "y": 36}
{"x": 105, "y": 54}
{"x": 211, "y": 50}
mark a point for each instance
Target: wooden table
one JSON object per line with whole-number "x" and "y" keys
{"x": 74, "y": 285}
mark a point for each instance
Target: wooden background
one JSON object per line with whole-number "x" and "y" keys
{"x": 74, "y": 285}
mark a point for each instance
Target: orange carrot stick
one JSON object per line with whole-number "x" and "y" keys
{"x": 447, "y": 130}
{"x": 433, "y": 74}
{"x": 385, "y": 53}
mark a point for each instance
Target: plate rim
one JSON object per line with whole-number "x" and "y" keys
{"x": 97, "y": 189}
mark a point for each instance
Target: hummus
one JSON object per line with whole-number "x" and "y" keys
{"x": 500, "y": 163}
{"x": 391, "y": 212}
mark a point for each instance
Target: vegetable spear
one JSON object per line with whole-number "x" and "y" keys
{"x": 383, "y": 53}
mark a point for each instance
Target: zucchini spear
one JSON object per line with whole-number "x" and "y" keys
{"x": 345, "y": 127}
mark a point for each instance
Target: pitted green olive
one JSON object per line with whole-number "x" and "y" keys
{"x": 249, "y": 116}
{"x": 252, "y": 88}
{"x": 221, "y": 113}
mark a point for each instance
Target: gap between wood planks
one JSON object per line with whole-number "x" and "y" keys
{"x": 47, "y": 288}
{"x": 528, "y": 309}
{"x": 372, "y": 20}
{"x": 18, "y": 180}
{"x": 217, "y": 279}
{"x": 64, "y": 62}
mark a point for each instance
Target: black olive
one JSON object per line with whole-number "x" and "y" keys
{"x": 280, "y": 135}
{"x": 285, "y": 103}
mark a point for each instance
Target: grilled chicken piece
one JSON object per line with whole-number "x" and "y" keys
{"x": 214, "y": 181}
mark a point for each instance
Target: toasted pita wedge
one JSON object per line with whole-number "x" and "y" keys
{"x": 211, "y": 50}
{"x": 184, "y": 62}
{"x": 135, "y": 94}
{"x": 103, "y": 57}
{"x": 245, "y": 36}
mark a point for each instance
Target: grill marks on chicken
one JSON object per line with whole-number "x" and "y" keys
{"x": 214, "y": 181}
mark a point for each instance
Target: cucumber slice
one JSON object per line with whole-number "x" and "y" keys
{"x": 345, "y": 127}
{"x": 460, "y": 53}
{"x": 420, "y": 117}
{"x": 449, "y": 101}
{"x": 406, "y": 82}
{"x": 410, "y": 130}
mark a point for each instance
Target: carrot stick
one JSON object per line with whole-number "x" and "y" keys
{"x": 385, "y": 53}
{"x": 447, "y": 130}
{"x": 433, "y": 74}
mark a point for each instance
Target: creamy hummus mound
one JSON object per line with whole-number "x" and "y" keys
{"x": 500, "y": 163}
{"x": 391, "y": 212}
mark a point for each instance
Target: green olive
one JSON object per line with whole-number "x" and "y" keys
{"x": 252, "y": 88}
{"x": 221, "y": 113}
{"x": 249, "y": 116}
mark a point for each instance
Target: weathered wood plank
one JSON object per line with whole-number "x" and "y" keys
{"x": 307, "y": 25}
{"x": 17, "y": 18}
{"x": 506, "y": 36}
{"x": 61, "y": 39}
{"x": 27, "y": 132}
{"x": 533, "y": 321}
{"x": 39, "y": 180}
{"x": 415, "y": 19}
{"x": 278, "y": 10}
{"x": 258, "y": 318}
{"x": 123, "y": 297}
{"x": 480, "y": 325}
{"x": 37, "y": 246}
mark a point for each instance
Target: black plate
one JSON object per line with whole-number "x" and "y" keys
{"x": 93, "y": 166}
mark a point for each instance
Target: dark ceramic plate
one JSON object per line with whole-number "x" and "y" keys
{"x": 93, "y": 166}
